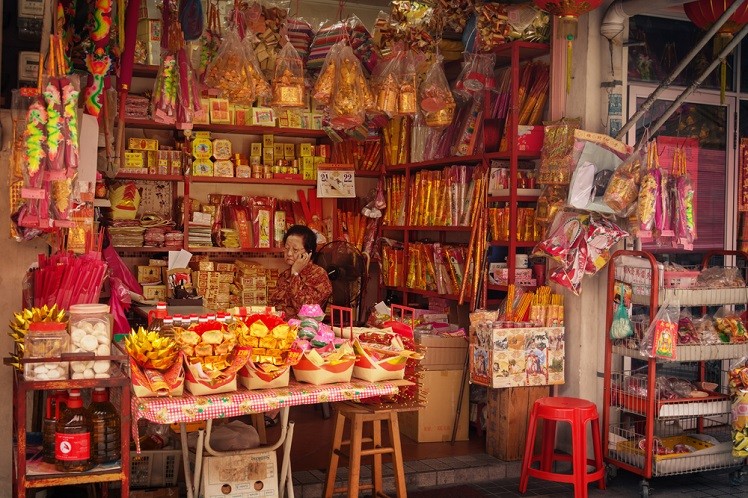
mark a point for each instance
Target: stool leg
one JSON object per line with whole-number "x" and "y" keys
{"x": 548, "y": 446}
{"x": 397, "y": 456}
{"x": 579, "y": 457}
{"x": 354, "y": 467}
{"x": 529, "y": 448}
{"x": 332, "y": 468}
{"x": 597, "y": 446}
{"x": 376, "y": 474}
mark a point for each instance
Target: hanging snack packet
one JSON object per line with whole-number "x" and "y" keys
{"x": 649, "y": 192}
{"x": 229, "y": 73}
{"x": 623, "y": 188}
{"x": 571, "y": 273}
{"x": 288, "y": 82}
{"x": 621, "y": 326}
{"x": 685, "y": 221}
{"x": 661, "y": 338}
{"x": 602, "y": 234}
{"x": 348, "y": 105}
{"x": 565, "y": 232}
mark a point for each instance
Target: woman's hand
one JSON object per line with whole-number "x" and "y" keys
{"x": 301, "y": 261}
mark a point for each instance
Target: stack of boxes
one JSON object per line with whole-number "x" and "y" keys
{"x": 148, "y": 38}
{"x": 144, "y": 156}
{"x": 253, "y": 284}
{"x": 151, "y": 278}
{"x": 267, "y": 159}
{"x": 221, "y": 111}
{"x": 213, "y": 282}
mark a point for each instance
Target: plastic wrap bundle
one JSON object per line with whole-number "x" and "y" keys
{"x": 288, "y": 82}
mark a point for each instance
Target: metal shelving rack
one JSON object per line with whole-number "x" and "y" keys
{"x": 630, "y": 445}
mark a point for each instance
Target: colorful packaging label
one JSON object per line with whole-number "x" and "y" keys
{"x": 72, "y": 447}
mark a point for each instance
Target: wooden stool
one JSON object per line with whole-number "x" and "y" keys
{"x": 358, "y": 415}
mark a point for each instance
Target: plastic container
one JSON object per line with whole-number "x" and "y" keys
{"x": 46, "y": 340}
{"x": 105, "y": 428}
{"x": 73, "y": 436}
{"x": 90, "y": 332}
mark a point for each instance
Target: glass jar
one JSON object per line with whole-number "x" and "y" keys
{"x": 90, "y": 332}
{"x": 46, "y": 340}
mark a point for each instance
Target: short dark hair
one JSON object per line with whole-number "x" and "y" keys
{"x": 306, "y": 234}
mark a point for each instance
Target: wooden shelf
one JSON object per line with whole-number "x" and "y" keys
{"x": 231, "y": 250}
{"x": 527, "y": 51}
{"x": 227, "y": 128}
{"x": 505, "y": 155}
{"x": 447, "y": 161}
{"x": 50, "y": 480}
{"x": 421, "y": 292}
{"x": 519, "y": 243}
{"x": 523, "y": 195}
{"x": 250, "y": 181}
{"x": 148, "y": 176}
{"x": 429, "y": 228}
{"x": 144, "y": 71}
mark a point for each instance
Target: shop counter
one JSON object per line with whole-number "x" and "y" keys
{"x": 191, "y": 408}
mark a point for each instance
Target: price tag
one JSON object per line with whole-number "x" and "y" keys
{"x": 335, "y": 180}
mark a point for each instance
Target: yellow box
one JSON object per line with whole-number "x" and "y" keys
{"x": 268, "y": 156}
{"x": 294, "y": 119}
{"x": 202, "y": 167}
{"x": 154, "y": 292}
{"x": 206, "y": 266}
{"x": 163, "y": 162}
{"x": 289, "y": 151}
{"x": 227, "y": 267}
{"x": 149, "y": 274}
{"x": 243, "y": 171}
{"x": 268, "y": 141}
{"x": 142, "y": 144}
{"x": 203, "y": 115}
{"x": 304, "y": 150}
{"x": 255, "y": 149}
{"x": 151, "y": 158}
{"x": 263, "y": 116}
{"x": 278, "y": 150}
{"x": 134, "y": 160}
{"x": 283, "y": 121}
{"x": 225, "y": 277}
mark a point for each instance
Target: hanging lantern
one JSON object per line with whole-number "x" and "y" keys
{"x": 704, "y": 13}
{"x": 568, "y": 11}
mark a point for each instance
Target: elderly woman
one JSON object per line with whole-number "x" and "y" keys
{"x": 303, "y": 282}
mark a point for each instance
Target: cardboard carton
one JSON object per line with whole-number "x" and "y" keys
{"x": 443, "y": 353}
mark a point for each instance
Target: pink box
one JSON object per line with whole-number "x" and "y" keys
{"x": 530, "y": 138}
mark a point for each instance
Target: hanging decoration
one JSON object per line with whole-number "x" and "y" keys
{"x": 704, "y": 13}
{"x": 98, "y": 61}
{"x": 568, "y": 12}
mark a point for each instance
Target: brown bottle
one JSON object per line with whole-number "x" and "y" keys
{"x": 105, "y": 433}
{"x": 73, "y": 436}
{"x": 49, "y": 424}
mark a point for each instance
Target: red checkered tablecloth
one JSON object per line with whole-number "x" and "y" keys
{"x": 190, "y": 408}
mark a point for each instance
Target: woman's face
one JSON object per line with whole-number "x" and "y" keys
{"x": 294, "y": 248}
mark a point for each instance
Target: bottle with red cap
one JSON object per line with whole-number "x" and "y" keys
{"x": 73, "y": 436}
{"x": 105, "y": 434}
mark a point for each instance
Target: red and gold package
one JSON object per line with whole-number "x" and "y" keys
{"x": 262, "y": 217}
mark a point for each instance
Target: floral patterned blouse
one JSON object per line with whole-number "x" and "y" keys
{"x": 310, "y": 286}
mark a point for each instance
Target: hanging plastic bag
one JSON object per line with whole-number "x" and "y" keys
{"x": 191, "y": 19}
{"x": 623, "y": 188}
{"x": 621, "y": 326}
{"x": 661, "y": 338}
{"x": 229, "y": 72}
{"x": 288, "y": 82}
{"x": 300, "y": 34}
{"x": 348, "y": 104}
{"x": 435, "y": 97}
{"x": 386, "y": 85}
{"x": 256, "y": 75}
{"x": 492, "y": 25}
{"x": 649, "y": 191}
{"x": 730, "y": 326}
{"x": 323, "y": 87}
{"x": 210, "y": 40}
{"x": 685, "y": 217}
{"x": 687, "y": 333}
{"x": 326, "y": 37}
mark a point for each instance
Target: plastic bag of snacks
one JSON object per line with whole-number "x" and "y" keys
{"x": 601, "y": 235}
{"x": 687, "y": 333}
{"x": 661, "y": 338}
{"x": 288, "y": 82}
{"x": 621, "y": 326}
{"x": 348, "y": 104}
{"x": 229, "y": 72}
{"x": 730, "y": 326}
{"x": 623, "y": 188}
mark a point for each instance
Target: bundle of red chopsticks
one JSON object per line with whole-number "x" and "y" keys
{"x": 66, "y": 279}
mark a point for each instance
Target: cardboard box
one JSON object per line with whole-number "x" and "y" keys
{"x": 219, "y": 111}
{"x": 443, "y": 353}
{"x": 241, "y": 476}
{"x": 263, "y": 116}
{"x": 517, "y": 357}
{"x": 135, "y": 143}
{"x": 206, "y": 266}
{"x": 155, "y": 493}
{"x": 304, "y": 150}
{"x": 268, "y": 141}
{"x": 135, "y": 160}
{"x": 149, "y": 274}
{"x": 156, "y": 292}
{"x": 255, "y": 149}
{"x": 434, "y": 422}
{"x": 289, "y": 151}
{"x": 226, "y": 267}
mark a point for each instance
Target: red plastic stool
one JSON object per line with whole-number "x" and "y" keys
{"x": 577, "y": 412}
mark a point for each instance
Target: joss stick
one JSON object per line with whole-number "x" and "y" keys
{"x": 473, "y": 239}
